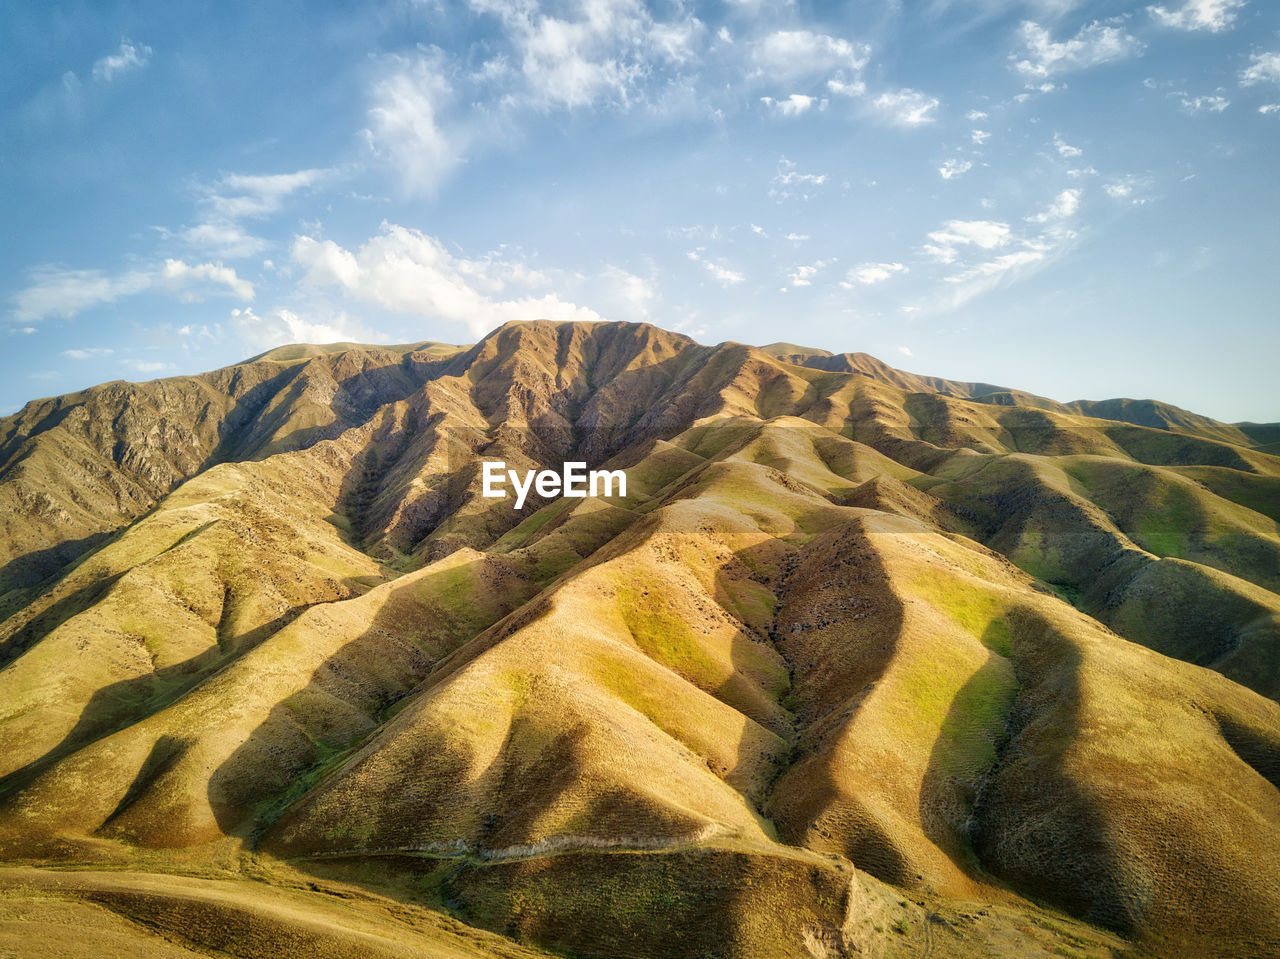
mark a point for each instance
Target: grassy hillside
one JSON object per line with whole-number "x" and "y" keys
{"x": 863, "y": 663}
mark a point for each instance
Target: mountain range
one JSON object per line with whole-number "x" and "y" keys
{"x": 864, "y": 662}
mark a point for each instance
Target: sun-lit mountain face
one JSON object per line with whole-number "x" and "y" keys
{"x": 860, "y": 663}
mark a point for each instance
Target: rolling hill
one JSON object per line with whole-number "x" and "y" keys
{"x": 863, "y": 663}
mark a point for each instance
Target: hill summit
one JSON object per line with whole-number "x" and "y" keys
{"x": 862, "y": 663}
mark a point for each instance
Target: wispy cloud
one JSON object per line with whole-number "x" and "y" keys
{"x": 1095, "y": 43}
{"x": 1065, "y": 149}
{"x": 792, "y": 55}
{"x": 789, "y": 181}
{"x": 803, "y": 275}
{"x": 129, "y": 57}
{"x": 62, "y": 293}
{"x": 1063, "y": 206}
{"x": 88, "y": 352}
{"x": 407, "y": 271}
{"x": 1211, "y": 15}
{"x": 236, "y": 197}
{"x": 601, "y": 55}
{"x": 906, "y": 107}
{"x": 794, "y": 105}
{"x": 1207, "y": 104}
{"x": 722, "y": 274}
{"x": 869, "y": 274}
{"x": 1262, "y": 68}
{"x": 406, "y": 127}
{"x": 944, "y": 244}
{"x": 953, "y": 168}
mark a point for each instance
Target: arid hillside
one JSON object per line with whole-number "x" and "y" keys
{"x": 863, "y": 663}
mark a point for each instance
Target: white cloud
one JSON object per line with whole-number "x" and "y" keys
{"x": 88, "y": 353}
{"x": 1128, "y": 187}
{"x": 999, "y": 266}
{"x": 796, "y": 237}
{"x": 1263, "y": 68}
{"x": 973, "y": 116}
{"x": 63, "y": 293}
{"x": 906, "y": 107}
{"x": 128, "y": 58}
{"x": 1064, "y": 206}
{"x": 846, "y": 88}
{"x": 1267, "y": 108}
{"x": 1211, "y": 15}
{"x": 789, "y": 182}
{"x": 723, "y": 275}
{"x": 1095, "y": 43}
{"x": 869, "y": 274}
{"x": 1209, "y": 104}
{"x": 802, "y": 275}
{"x": 177, "y": 275}
{"x": 794, "y": 105}
{"x": 280, "y": 326}
{"x": 1065, "y": 149}
{"x": 905, "y": 351}
{"x": 954, "y": 168}
{"x": 791, "y": 55}
{"x": 758, "y": 230}
{"x": 236, "y": 197}
{"x": 944, "y": 244}
{"x": 150, "y": 366}
{"x": 407, "y": 271}
{"x": 600, "y": 56}
{"x": 405, "y": 124}
{"x": 979, "y": 137}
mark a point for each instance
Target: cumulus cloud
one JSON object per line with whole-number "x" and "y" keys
{"x": 794, "y": 105}
{"x": 1094, "y": 44}
{"x": 979, "y": 137}
{"x": 954, "y": 168}
{"x": 63, "y": 293}
{"x": 944, "y": 244}
{"x": 1211, "y": 15}
{"x": 128, "y": 58}
{"x": 281, "y": 326}
{"x": 906, "y": 107}
{"x": 1262, "y": 68}
{"x": 1268, "y": 108}
{"x": 869, "y": 274}
{"x": 406, "y": 271}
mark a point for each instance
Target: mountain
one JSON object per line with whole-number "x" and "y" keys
{"x": 863, "y": 662}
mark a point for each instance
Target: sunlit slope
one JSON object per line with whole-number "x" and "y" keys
{"x": 847, "y": 628}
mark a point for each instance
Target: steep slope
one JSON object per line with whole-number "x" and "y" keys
{"x": 836, "y": 676}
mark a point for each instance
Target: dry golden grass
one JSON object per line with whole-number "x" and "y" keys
{"x": 837, "y": 675}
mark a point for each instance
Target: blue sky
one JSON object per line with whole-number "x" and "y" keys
{"x": 1075, "y": 198}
